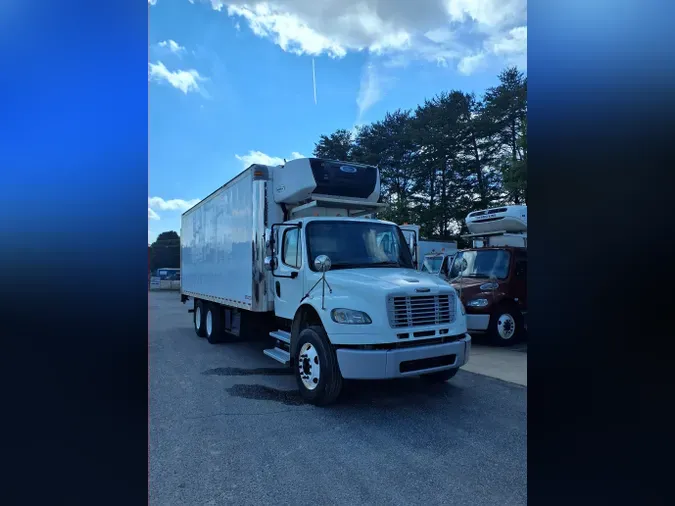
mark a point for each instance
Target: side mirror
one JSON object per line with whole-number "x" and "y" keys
{"x": 462, "y": 264}
{"x": 322, "y": 263}
{"x": 270, "y": 263}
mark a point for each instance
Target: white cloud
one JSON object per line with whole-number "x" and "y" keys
{"x": 469, "y": 64}
{"x": 170, "y": 205}
{"x": 439, "y": 31}
{"x": 264, "y": 159}
{"x": 440, "y": 35}
{"x": 152, "y": 215}
{"x": 370, "y": 91}
{"x": 512, "y": 43}
{"x": 184, "y": 80}
{"x": 172, "y": 46}
{"x": 489, "y": 14}
{"x": 512, "y": 46}
{"x": 152, "y": 2}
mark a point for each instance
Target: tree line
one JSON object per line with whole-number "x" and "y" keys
{"x": 164, "y": 252}
{"x": 454, "y": 154}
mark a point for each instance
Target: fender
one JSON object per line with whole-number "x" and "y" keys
{"x": 307, "y": 314}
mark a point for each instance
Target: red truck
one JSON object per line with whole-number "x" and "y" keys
{"x": 491, "y": 277}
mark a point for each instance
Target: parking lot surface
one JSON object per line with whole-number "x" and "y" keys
{"x": 227, "y": 427}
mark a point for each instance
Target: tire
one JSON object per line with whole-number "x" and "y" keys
{"x": 198, "y": 318}
{"x": 213, "y": 324}
{"x": 506, "y": 325}
{"x": 440, "y": 376}
{"x": 316, "y": 364}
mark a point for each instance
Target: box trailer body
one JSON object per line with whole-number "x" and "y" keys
{"x": 223, "y": 246}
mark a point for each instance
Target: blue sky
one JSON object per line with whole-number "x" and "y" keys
{"x": 231, "y": 82}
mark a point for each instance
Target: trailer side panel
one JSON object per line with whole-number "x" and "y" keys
{"x": 216, "y": 246}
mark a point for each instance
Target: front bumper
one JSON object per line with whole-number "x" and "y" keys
{"x": 387, "y": 364}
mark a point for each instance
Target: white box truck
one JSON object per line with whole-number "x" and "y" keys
{"x": 286, "y": 251}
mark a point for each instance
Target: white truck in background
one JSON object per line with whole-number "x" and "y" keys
{"x": 437, "y": 257}
{"x": 286, "y": 251}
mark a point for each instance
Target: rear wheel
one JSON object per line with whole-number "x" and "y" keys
{"x": 440, "y": 376}
{"x": 506, "y": 325}
{"x": 316, "y": 367}
{"x": 199, "y": 319}
{"x": 213, "y": 324}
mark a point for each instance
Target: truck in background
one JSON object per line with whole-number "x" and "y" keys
{"x": 437, "y": 257}
{"x": 434, "y": 253}
{"x": 286, "y": 251}
{"x": 491, "y": 277}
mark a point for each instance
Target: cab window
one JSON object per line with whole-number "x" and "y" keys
{"x": 291, "y": 253}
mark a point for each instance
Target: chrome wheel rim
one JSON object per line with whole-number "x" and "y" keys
{"x": 309, "y": 366}
{"x": 198, "y": 317}
{"x": 506, "y": 326}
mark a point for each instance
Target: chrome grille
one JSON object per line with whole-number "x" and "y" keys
{"x": 418, "y": 310}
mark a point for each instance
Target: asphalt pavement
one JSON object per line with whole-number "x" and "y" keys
{"x": 228, "y": 427}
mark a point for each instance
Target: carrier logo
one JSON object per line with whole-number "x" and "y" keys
{"x": 280, "y": 189}
{"x": 348, "y": 169}
{"x": 486, "y": 217}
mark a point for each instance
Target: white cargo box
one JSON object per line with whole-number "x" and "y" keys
{"x": 217, "y": 238}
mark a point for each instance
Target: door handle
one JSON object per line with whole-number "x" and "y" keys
{"x": 278, "y": 288}
{"x": 293, "y": 275}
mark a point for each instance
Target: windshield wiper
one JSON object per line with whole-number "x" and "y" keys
{"x": 385, "y": 264}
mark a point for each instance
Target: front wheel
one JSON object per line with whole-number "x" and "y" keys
{"x": 506, "y": 326}
{"x": 316, "y": 367}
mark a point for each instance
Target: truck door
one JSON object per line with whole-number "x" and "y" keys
{"x": 288, "y": 276}
{"x": 412, "y": 234}
{"x": 520, "y": 279}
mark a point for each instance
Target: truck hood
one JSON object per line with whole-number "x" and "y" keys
{"x": 388, "y": 279}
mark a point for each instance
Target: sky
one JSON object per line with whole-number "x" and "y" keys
{"x": 235, "y": 82}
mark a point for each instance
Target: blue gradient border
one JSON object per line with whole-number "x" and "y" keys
{"x": 73, "y": 254}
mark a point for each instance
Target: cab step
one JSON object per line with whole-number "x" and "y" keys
{"x": 281, "y": 335}
{"x": 281, "y": 356}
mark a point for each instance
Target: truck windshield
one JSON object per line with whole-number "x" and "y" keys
{"x": 354, "y": 244}
{"x": 432, "y": 264}
{"x": 482, "y": 264}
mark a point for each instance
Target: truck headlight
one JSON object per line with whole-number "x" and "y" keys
{"x": 350, "y": 317}
{"x": 477, "y": 303}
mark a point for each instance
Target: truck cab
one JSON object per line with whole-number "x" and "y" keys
{"x": 344, "y": 287}
{"x": 438, "y": 263}
{"x": 491, "y": 277}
